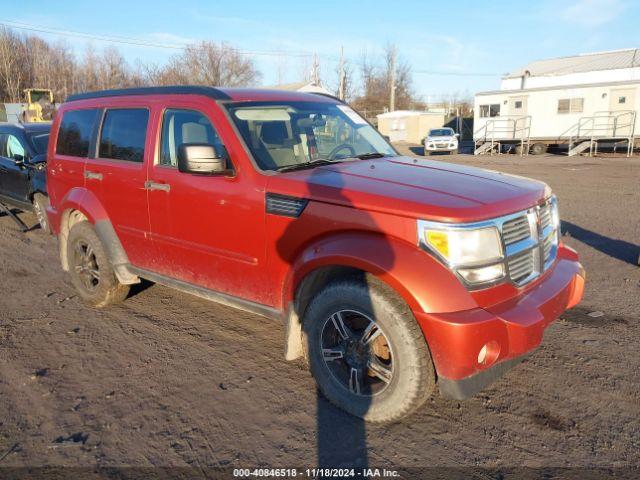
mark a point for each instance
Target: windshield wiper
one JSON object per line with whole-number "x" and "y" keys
{"x": 367, "y": 156}
{"x": 325, "y": 161}
{"x": 309, "y": 164}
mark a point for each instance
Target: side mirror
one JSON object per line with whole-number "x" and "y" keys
{"x": 457, "y": 135}
{"x": 201, "y": 158}
{"x": 387, "y": 138}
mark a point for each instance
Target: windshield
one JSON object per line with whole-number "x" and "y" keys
{"x": 286, "y": 134}
{"x": 40, "y": 96}
{"x": 39, "y": 142}
{"x": 441, "y": 132}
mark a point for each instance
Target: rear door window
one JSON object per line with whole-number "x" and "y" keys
{"x": 123, "y": 134}
{"x": 74, "y": 135}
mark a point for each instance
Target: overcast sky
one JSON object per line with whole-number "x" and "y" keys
{"x": 459, "y": 46}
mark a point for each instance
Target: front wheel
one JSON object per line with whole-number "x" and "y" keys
{"x": 91, "y": 272}
{"x": 40, "y": 203}
{"x": 366, "y": 351}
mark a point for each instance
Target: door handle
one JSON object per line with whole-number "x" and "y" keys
{"x": 92, "y": 175}
{"x": 151, "y": 185}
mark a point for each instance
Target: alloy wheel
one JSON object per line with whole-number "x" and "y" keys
{"x": 86, "y": 265}
{"x": 357, "y": 353}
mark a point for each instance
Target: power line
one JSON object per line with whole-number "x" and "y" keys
{"x": 456, "y": 74}
{"x": 136, "y": 41}
{"x": 270, "y": 53}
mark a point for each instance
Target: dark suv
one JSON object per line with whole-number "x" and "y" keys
{"x": 23, "y": 149}
{"x": 392, "y": 274}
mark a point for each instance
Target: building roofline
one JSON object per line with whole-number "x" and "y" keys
{"x": 559, "y": 87}
{"x": 518, "y": 72}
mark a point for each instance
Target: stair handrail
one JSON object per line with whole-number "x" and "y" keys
{"x": 494, "y": 129}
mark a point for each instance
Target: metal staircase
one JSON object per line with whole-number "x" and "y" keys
{"x": 483, "y": 148}
{"x": 579, "y": 148}
{"x": 500, "y": 131}
{"x": 602, "y": 127}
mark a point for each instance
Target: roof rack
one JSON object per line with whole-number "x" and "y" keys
{"x": 211, "y": 92}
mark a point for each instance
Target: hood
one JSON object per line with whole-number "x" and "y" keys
{"x": 441, "y": 137}
{"x": 412, "y": 187}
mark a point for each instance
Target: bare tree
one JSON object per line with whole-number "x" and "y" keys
{"x": 11, "y": 72}
{"x": 376, "y": 83}
{"x": 209, "y": 63}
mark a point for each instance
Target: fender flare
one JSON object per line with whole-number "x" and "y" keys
{"x": 420, "y": 280}
{"x": 85, "y": 202}
{"x": 424, "y": 283}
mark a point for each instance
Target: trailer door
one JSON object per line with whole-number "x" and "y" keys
{"x": 518, "y": 106}
{"x": 622, "y": 100}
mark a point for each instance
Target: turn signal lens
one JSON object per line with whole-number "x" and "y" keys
{"x": 439, "y": 241}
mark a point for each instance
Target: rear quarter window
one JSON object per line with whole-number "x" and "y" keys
{"x": 74, "y": 134}
{"x": 123, "y": 134}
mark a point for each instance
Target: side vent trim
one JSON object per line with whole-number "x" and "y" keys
{"x": 285, "y": 205}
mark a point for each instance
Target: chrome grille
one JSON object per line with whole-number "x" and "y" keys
{"x": 522, "y": 266}
{"x": 545, "y": 215}
{"x": 516, "y": 230}
{"x": 531, "y": 242}
{"x": 547, "y": 246}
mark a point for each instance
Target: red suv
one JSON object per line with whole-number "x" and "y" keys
{"x": 390, "y": 273}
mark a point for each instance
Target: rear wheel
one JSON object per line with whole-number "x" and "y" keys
{"x": 40, "y": 203}
{"x": 538, "y": 148}
{"x": 91, "y": 272}
{"x": 366, "y": 351}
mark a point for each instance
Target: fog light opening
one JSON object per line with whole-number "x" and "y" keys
{"x": 488, "y": 354}
{"x": 482, "y": 355}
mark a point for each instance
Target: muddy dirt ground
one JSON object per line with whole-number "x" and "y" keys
{"x": 167, "y": 379}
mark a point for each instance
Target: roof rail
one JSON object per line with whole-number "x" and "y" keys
{"x": 211, "y": 92}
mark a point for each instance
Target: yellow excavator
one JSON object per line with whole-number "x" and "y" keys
{"x": 38, "y": 106}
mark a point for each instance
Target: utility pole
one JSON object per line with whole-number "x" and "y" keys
{"x": 392, "y": 92}
{"x": 342, "y": 79}
{"x": 315, "y": 71}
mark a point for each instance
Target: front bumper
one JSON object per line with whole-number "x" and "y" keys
{"x": 510, "y": 329}
{"x": 440, "y": 148}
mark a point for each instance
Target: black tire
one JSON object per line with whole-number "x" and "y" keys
{"x": 411, "y": 376}
{"x": 91, "y": 272}
{"x": 538, "y": 149}
{"x": 40, "y": 203}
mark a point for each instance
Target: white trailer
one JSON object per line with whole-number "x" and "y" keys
{"x": 575, "y": 103}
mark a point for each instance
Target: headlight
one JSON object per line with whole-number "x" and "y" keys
{"x": 473, "y": 252}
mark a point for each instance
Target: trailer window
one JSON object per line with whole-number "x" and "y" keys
{"x": 492, "y": 110}
{"x": 570, "y": 105}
